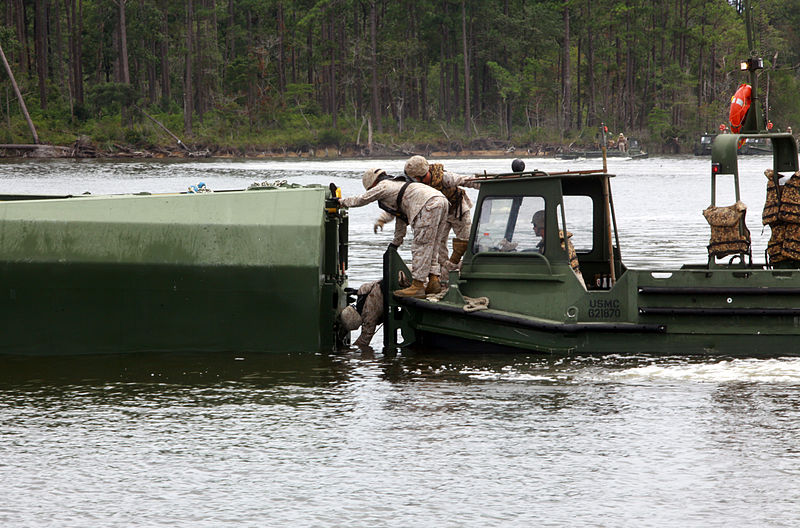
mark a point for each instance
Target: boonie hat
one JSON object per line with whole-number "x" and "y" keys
{"x": 416, "y": 167}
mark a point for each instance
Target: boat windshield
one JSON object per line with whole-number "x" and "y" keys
{"x": 580, "y": 221}
{"x": 505, "y": 223}
{"x": 517, "y": 223}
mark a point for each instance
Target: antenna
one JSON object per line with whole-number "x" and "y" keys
{"x": 754, "y": 120}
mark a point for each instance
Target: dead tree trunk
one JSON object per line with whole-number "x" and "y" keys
{"x": 19, "y": 96}
{"x": 467, "y": 111}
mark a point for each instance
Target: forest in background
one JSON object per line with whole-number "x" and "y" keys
{"x": 395, "y": 75}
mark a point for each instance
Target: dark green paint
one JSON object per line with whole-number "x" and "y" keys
{"x": 244, "y": 271}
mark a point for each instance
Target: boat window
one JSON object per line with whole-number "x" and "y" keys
{"x": 505, "y": 224}
{"x": 580, "y": 221}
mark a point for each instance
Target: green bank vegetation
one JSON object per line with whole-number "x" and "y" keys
{"x": 257, "y": 75}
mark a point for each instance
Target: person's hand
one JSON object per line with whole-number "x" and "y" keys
{"x": 392, "y": 245}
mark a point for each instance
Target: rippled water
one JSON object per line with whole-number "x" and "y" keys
{"x": 360, "y": 439}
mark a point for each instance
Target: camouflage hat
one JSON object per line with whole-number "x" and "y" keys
{"x": 370, "y": 177}
{"x": 350, "y": 318}
{"x": 416, "y": 167}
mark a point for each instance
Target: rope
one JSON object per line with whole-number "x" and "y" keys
{"x": 473, "y": 304}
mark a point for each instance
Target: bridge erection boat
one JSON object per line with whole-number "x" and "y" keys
{"x": 521, "y": 286}
{"x": 536, "y": 300}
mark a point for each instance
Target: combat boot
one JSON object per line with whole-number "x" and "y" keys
{"x": 459, "y": 248}
{"x": 417, "y": 290}
{"x": 434, "y": 286}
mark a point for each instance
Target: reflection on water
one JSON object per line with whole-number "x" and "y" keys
{"x": 363, "y": 439}
{"x": 331, "y": 440}
{"x": 172, "y": 368}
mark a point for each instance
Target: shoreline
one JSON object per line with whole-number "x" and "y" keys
{"x": 83, "y": 149}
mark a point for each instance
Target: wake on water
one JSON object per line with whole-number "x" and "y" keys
{"x": 778, "y": 370}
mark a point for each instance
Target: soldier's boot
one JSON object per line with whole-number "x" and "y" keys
{"x": 434, "y": 286}
{"x": 459, "y": 248}
{"x": 417, "y": 290}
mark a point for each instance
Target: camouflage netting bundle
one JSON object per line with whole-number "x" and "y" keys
{"x": 770, "y": 214}
{"x": 729, "y": 234}
{"x": 789, "y": 201}
{"x": 782, "y": 214}
{"x": 775, "y": 244}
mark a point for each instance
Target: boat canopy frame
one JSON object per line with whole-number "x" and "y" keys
{"x": 725, "y": 161}
{"x": 604, "y": 253}
{"x": 725, "y": 157}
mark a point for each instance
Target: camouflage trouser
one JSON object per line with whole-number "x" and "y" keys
{"x": 428, "y": 226}
{"x": 372, "y": 313}
{"x": 460, "y": 228}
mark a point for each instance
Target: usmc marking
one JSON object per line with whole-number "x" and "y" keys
{"x": 604, "y": 309}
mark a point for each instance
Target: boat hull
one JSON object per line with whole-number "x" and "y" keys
{"x": 732, "y": 311}
{"x": 471, "y": 333}
{"x": 595, "y": 154}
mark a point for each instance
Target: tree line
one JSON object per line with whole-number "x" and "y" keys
{"x": 336, "y": 71}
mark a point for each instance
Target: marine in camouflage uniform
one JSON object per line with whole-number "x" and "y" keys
{"x": 782, "y": 214}
{"x": 421, "y": 206}
{"x": 622, "y": 143}
{"x": 538, "y": 222}
{"x": 370, "y": 300}
{"x": 459, "y": 219}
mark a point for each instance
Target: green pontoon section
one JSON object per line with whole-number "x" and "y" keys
{"x": 238, "y": 271}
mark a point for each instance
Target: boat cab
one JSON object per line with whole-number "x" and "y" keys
{"x": 542, "y": 252}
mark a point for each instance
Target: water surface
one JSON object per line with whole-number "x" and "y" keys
{"x": 438, "y": 439}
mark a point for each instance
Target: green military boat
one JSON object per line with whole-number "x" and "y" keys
{"x": 259, "y": 270}
{"x": 750, "y": 146}
{"x": 730, "y": 304}
{"x": 703, "y": 146}
{"x": 634, "y": 151}
{"x": 537, "y": 302}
